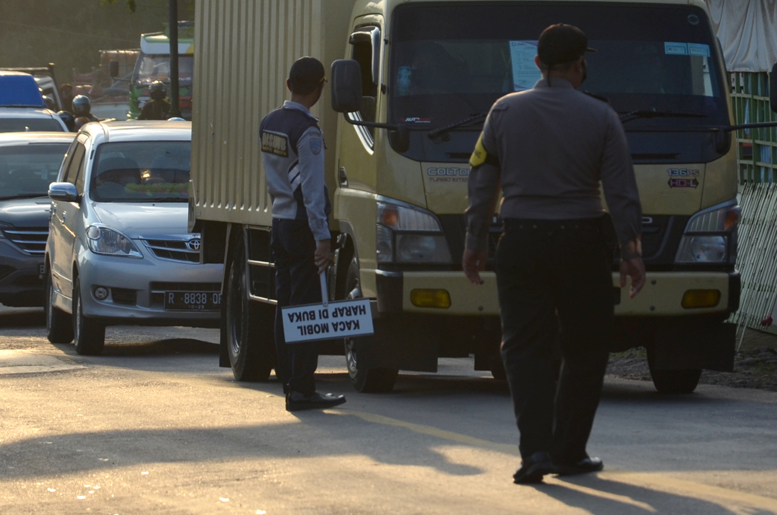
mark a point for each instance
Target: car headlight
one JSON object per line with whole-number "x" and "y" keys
{"x": 110, "y": 242}
{"x": 407, "y": 234}
{"x": 710, "y": 236}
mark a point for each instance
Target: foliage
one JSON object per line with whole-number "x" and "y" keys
{"x": 131, "y": 5}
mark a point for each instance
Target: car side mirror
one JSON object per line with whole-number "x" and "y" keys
{"x": 114, "y": 69}
{"x": 346, "y": 86}
{"x": 63, "y": 191}
{"x": 773, "y": 89}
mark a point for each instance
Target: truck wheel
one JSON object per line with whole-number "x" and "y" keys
{"x": 59, "y": 325}
{"x": 498, "y": 368}
{"x": 365, "y": 380}
{"x": 249, "y": 326}
{"x": 673, "y": 381}
{"x": 88, "y": 334}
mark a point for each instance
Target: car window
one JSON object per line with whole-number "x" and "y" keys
{"x": 147, "y": 171}
{"x": 27, "y": 170}
{"x": 30, "y": 125}
{"x": 75, "y": 163}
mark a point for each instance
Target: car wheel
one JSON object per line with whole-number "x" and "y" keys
{"x": 59, "y": 326}
{"x": 249, "y": 326}
{"x": 88, "y": 334}
{"x": 673, "y": 381}
{"x": 365, "y": 380}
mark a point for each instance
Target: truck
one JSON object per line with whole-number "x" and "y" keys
{"x": 411, "y": 84}
{"x": 153, "y": 64}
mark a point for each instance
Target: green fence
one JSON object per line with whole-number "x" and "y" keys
{"x": 756, "y": 148}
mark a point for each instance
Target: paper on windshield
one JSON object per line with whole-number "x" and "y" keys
{"x": 525, "y": 72}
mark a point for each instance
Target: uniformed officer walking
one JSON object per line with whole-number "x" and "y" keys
{"x": 293, "y": 155}
{"x": 550, "y": 148}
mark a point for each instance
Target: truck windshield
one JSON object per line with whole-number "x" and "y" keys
{"x": 147, "y": 171}
{"x": 452, "y": 62}
{"x": 157, "y": 67}
{"x": 27, "y": 170}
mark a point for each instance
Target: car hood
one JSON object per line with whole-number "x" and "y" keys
{"x": 144, "y": 220}
{"x": 25, "y": 212}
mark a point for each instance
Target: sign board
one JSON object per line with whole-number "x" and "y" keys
{"x": 327, "y": 320}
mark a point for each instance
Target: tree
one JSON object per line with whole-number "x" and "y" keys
{"x": 131, "y": 5}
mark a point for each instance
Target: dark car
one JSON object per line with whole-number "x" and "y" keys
{"x": 29, "y": 162}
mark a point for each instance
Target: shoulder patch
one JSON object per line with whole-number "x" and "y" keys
{"x": 316, "y": 145}
{"x": 479, "y": 155}
{"x": 275, "y": 143}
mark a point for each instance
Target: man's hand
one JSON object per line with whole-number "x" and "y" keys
{"x": 322, "y": 257}
{"x": 633, "y": 268}
{"x": 473, "y": 262}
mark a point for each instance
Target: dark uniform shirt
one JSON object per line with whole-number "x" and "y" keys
{"x": 550, "y": 148}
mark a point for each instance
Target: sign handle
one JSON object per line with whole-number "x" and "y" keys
{"x": 324, "y": 289}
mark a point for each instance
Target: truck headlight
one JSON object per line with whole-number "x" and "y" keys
{"x": 408, "y": 234}
{"x": 110, "y": 242}
{"x": 710, "y": 236}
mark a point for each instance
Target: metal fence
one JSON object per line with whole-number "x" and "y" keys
{"x": 757, "y": 162}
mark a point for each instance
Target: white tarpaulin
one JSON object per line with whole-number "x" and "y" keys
{"x": 747, "y": 29}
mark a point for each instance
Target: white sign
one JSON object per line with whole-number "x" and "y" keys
{"x": 525, "y": 72}
{"x": 327, "y": 320}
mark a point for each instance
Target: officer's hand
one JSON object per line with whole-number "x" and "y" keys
{"x": 473, "y": 262}
{"x": 322, "y": 257}
{"x": 633, "y": 268}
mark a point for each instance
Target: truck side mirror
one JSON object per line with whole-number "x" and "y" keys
{"x": 346, "y": 86}
{"x": 114, "y": 69}
{"x": 773, "y": 89}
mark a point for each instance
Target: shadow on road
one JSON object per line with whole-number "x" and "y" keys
{"x": 597, "y": 495}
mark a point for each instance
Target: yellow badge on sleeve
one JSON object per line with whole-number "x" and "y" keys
{"x": 479, "y": 155}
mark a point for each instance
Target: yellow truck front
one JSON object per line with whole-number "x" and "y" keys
{"x": 415, "y": 82}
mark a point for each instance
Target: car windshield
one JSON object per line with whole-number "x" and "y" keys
{"x": 30, "y": 125}
{"x": 660, "y": 58}
{"x": 27, "y": 170}
{"x": 147, "y": 171}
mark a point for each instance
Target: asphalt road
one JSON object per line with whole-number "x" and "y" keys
{"x": 154, "y": 426}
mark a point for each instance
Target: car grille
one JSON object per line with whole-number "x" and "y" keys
{"x": 31, "y": 240}
{"x": 176, "y": 250}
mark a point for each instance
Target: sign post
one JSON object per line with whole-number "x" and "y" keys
{"x": 327, "y": 320}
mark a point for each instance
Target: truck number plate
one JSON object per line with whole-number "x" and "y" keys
{"x": 192, "y": 300}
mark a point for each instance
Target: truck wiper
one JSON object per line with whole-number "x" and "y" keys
{"x": 442, "y": 130}
{"x": 652, "y": 113}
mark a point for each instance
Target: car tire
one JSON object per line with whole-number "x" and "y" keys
{"x": 88, "y": 334}
{"x": 364, "y": 380}
{"x": 59, "y": 325}
{"x": 673, "y": 382}
{"x": 249, "y": 326}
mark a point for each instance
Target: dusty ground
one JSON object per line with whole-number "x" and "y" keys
{"x": 755, "y": 364}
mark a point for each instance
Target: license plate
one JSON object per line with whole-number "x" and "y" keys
{"x": 193, "y": 300}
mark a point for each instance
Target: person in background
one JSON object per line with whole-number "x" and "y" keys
{"x": 66, "y": 96}
{"x": 157, "y": 108}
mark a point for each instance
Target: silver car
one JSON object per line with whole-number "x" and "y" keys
{"x": 119, "y": 251}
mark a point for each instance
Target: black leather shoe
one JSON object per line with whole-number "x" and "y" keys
{"x": 296, "y": 401}
{"x": 583, "y": 466}
{"x": 534, "y": 468}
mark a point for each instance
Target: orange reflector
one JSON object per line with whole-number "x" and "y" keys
{"x": 701, "y": 299}
{"x": 430, "y": 298}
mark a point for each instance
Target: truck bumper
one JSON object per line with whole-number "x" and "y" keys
{"x": 666, "y": 294}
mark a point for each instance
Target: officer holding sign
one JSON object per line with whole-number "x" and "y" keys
{"x": 293, "y": 156}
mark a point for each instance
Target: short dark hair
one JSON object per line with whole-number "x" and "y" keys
{"x": 305, "y": 75}
{"x": 561, "y": 44}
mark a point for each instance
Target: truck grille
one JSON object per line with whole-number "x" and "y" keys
{"x": 31, "y": 240}
{"x": 176, "y": 250}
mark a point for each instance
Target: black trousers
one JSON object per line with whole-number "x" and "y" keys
{"x": 556, "y": 301}
{"x": 296, "y": 283}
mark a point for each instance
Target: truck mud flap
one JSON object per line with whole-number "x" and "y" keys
{"x": 694, "y": 342}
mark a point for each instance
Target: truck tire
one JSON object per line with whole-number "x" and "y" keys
{"x": 498, "y": 368}
{"x": 364, "y": 380}
{"x": 673, "y": 381}
{"x": 249, "y": 326}
{"x": 59, "y": 325}
{"x": 88, "y": 334}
